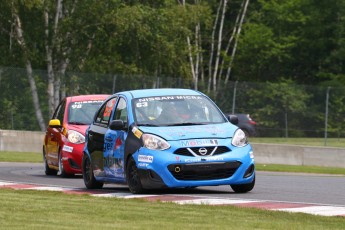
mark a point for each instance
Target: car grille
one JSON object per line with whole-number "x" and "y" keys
{"x": 204, "y": 171}
{"x": 202, "y": 151}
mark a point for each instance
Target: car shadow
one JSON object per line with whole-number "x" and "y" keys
{"x": 170, "y": 191}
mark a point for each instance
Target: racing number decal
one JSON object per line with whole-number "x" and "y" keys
{"x": 141, "y": 104}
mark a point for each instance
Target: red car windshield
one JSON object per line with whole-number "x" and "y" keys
{"x": 82, "y": 112}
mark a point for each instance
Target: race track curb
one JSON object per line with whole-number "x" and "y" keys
{"x": 314, "y": 209}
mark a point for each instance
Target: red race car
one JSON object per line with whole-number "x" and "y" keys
{"x": 65, "y": 136}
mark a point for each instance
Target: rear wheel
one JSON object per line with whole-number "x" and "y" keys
{"x": 48, "y": 171}
{"x": 88, "y": 176}
{"x": 243, "y": 188}
{"x": 132, "y": 176}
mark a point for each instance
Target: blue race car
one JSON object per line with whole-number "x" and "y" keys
{"x": 166, "y": 138}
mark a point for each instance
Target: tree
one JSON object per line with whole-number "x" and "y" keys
{"x": 302, "y": 40}
{"x": 18, "y": 35}
{"x": 216, "y": 43}
{"x": 50, "y": 36}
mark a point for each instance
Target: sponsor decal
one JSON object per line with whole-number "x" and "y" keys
{"x": 118, "y": 143}
{"x": 199, "y": 142}
{"x": 251, "y": 154}
{"x": 137, "y": 132}
{"x": 79, "y": 104}
{"x": 145, "y": 158}
{"x": 144, "y": 165}
{"x": 67, "y": 148}
{"x": 121, "y": 175}
{"x": 141, "y": 104}
{"x": 166, "y": 98}
{"x": 204, "y": 159}
{"x": 52, "y": 155}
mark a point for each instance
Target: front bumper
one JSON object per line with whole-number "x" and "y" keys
{"x": 72, "y": 157}
{"x": 160, "y": 169}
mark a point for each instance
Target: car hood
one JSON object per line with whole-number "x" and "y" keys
{"x": 224, "y": 130}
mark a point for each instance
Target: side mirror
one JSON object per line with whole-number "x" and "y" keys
{"x": 117, "y": 125}
{"x": 233, "y": 119}
{"x": 54, "y": 123}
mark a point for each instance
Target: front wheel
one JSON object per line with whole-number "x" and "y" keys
{"x": 88, "y": 176}
{"x": 132, "y": 176}
{"x": 62, "y": 171}
{"x": 243, "y": 188}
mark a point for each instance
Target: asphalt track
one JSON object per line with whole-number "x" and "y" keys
{"x": 291, "y": 189}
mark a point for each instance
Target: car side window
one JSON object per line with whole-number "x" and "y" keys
{"x": 60, "y": 111}
{"x": 121, "y": 111}
{"x": 104, "y": 113}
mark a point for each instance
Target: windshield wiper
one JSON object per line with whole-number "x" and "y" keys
{"x": 186, "y": 124}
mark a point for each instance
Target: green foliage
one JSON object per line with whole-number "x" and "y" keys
{"x": 283, "y": 97}
{"x": 16, "y": 104}
{"x": 144, "y": 44}
{"x": 304, "y": 41}
{"x": 150, "y": 41}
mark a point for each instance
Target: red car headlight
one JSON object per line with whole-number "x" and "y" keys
{"x": 75, "y": 137}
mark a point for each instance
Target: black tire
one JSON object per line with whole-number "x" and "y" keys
{"x": 243, "y": 188}
{"x": 48, "y": 171}
{"x": 88, "y": 177}
{"x": 62, "y": 171}
{"x": 132, "y": 176}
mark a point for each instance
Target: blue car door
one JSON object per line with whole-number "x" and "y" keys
{"x": 114, "y": 144}
{"x": 96, "y": 133}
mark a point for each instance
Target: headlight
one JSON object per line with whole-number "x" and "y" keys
{"x": 75, "y": 137}
{"x": 154, "y": 142}
{"x": 239, "y": 139}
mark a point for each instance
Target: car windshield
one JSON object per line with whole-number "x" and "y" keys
{"x": 176, "y": 110}
{"x": 82, "y": 112}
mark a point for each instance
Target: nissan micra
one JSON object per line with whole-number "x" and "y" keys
{"x": 64, "y": 139}
{"x": 166, "y": 138}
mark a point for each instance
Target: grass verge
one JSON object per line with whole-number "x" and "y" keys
{"x": 6, "y": 156}
{"x": 54, "y": 210}
{"x": 330, "y": 142}
{"x": 300, "y": 169}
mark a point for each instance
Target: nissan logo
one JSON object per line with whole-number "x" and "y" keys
{"x": 203, "y": 151}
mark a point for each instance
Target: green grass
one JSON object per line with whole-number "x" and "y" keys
{"x": 22, "y": 209}
{"x": 6, "y": 156}
{"x": 331, "y": 142}
{"x": 300, "y": 169}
